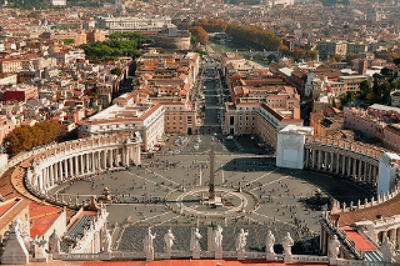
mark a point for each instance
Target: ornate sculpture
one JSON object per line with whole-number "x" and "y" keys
{"x": 333, "y": 247}
{"x": 287, "y": 244}
{"x": 107, "y": 242}
{"x": 387, "y": 250}
{"x": 269, "y": 243}
{"x": 195, "y": 243}
{"x": 39, "y": 248}
{"x": 218, "y": 238}
{"x": 54, "y": 242}
{"x": 241, "y": 241}
{"x": 148, "y": 245}
{"x": 169, "y": 239}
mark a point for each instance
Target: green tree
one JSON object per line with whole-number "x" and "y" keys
{"x": 68, "y": 41}
{"x": 116, "y": 71}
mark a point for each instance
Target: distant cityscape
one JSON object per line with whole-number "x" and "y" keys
{"x": 215, "y": 132}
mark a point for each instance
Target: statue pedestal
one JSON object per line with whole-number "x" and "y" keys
{"x": 241, "y": 255}
{"x": 270, "y": 257}
{"x": 196, "y": 254}
{"x": 218, "y": 254}
{"x": 288, "y": 259}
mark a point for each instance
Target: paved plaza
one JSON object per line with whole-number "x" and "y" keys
{"x": 269, "y": 198}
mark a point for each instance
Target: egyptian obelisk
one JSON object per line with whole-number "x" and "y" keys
{"x": 211, "y": 190}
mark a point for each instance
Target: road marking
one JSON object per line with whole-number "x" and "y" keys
{"x": 272, "y": 182}
{"x": 258, "y": 178}
{"x": 166, "y": 221}
{"x": 163, "y": 177}
{"x": 151, "y": 181}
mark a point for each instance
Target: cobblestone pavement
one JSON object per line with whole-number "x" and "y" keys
{"x": 140, "y": 194}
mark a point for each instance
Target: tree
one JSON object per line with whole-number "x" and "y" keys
{"x": 116, "y": 71}
{"x": 299, "y": 53}
{"x": 68, "y": 41}
{"x": 27, "y": 137}
{"x": 200, "y": 34}
{"x": 335, "y": 58}
{"x": 351, "y": 56}
{"x": 365, "y": 87}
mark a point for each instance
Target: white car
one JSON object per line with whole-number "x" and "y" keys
{"x": 230, "y": 137}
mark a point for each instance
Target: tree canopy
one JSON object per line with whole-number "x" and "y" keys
{"x": 200, "y": 34}
{"x": 27, "y": 137}
{"x": 120, "y": 44}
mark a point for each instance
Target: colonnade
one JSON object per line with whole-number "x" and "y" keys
{"x": 393, "y": 234}
{"x": 341, "y": 162}
{"x": 82, "y": 161}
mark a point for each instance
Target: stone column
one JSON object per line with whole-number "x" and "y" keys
{"x": 366, "y": 165}
{"x": 82, "y": 164}
{"x": 65, "y": 169}
{"x": 58, "y": 171}
{"x": 127, "y": 152}
{"x": 51, "y": 176}
{"x": 360, "y": 170}
{"x": 112, "y": 157}
{"x": 319, "y": 160}
{"x": 45, "y": 178}
{"x": 104, "y": 159}
{"x": 326, "y": 161}
{"x": 87, "y": 158}
{"x": 343, "y": 164}
{"x": 349, "y": 166}
{"x": 75, "y": 164}
{"x": 332, "y": 162}
{"x": 137, "y": 155}
{"x": 307, "y": 158}
{"x": 370, "y": 173}
{"x": 93, "y": 162}
{"x": 41, "y": 177}
{"x": 71, "y": 167}
{"x": 354, "y": 168}
{"x": 314, "y": 159}
{"x": 337, "y": 166}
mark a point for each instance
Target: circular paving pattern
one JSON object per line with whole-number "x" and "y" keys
{"x": 193, "y": 202}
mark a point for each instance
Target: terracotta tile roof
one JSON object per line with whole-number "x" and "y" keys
{"x": 8, "y": 205}
{"x": 40, "y": 225}
{"x": 361, "y": 242}
{"x": 12, "y": 213}
{"x": 36, "y": 210}
{"x": 42, "y": 217}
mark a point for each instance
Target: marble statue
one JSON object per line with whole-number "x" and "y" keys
{"x": 241, "y": 241}
{"x": 333, "y": 247}
{"x": 195, "y": 243}
{"x": 148, "y": 245}
{"x": 169, "y": 239}
{"x": 218, "y": 238}
{"x": 54, "y": 242}
{"x": 39, "y": 248}
{"x": 107, "y": 241}
{"x": 269, "y": 243}
{"x": 14, "y": 250}
{"x": 387, "y": 250}
{"x": 287, "y": 244}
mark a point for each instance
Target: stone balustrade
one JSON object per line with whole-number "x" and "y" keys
{"x": 295, "y": 259}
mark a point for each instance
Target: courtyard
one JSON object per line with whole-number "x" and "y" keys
{"x": 166, "y": 191}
